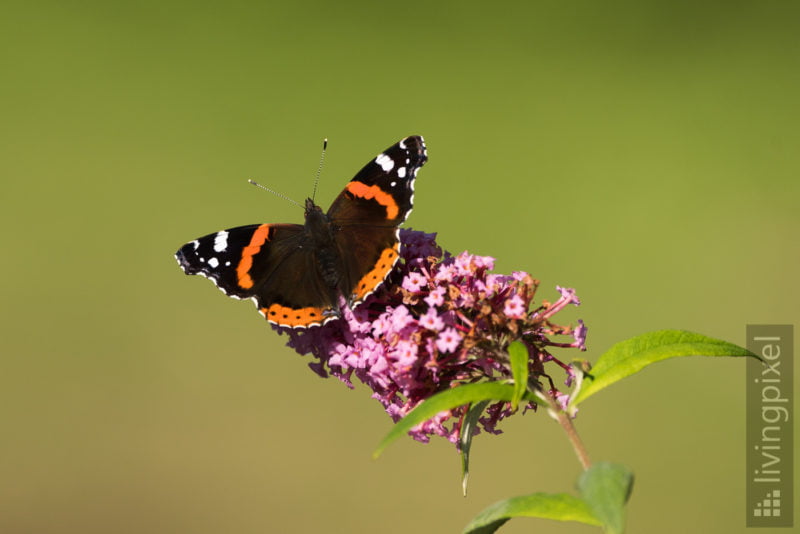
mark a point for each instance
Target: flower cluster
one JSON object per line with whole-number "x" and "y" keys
{"x": 438, "y": 322}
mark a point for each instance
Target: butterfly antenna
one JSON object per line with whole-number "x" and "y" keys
{"x": 319, "y": 169}
{"x": 284, "y": 197}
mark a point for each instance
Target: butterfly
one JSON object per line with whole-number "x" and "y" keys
{"x": 296, "y": 273}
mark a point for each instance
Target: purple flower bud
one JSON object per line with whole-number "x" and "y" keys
{"x": 579, "y": 333}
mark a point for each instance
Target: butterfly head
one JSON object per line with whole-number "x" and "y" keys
{"x": 311, "y": 207}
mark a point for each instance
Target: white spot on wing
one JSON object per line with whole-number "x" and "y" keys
{"x": 196, "y": 244}
{"x": 401, "y": 172}
{"x": 386, "y": 163}
{"x": 213, "y": 262}
{"x": 221, "y": 241}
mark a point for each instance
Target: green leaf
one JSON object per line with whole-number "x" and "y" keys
{"x": 467, "y": 432}
{"x": 518, "y": 357}
{"x": 605, "y": 489}
{"x": 446, "y": 400}
{"x": 632, "y": 355}
{"x": 558, "y": 506}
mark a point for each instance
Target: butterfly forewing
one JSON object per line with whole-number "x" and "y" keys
{"x": 382, "y": 192}
{"x": 219, "y": 258}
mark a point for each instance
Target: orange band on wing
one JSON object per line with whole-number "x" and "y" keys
{"x": 370, "y": 281}
{"x": 260, "y": 236}
{"x": 373, "y": 192}
{"x": 302, "y": 317}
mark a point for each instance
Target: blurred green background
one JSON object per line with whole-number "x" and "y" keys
{"x": 645, "y": 153}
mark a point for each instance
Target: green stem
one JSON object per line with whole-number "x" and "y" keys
{"x": 566, "y": 423}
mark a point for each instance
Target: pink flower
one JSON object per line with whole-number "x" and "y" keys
{"x": 438, "y": 322}
{"x": 399, "y": 318}
{"x": 405, "y": 354}
{"x": 414, "y": 282}
{"x": 515, "y": 307}
{"x": 435, "y": 297}
{"x": 431, "y": 320}
{"x": 446, "y": 273}
{"x": 448, "y": 340}
{"x": 483, "y": 262}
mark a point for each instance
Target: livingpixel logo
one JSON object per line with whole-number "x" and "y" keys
{"x": 770, "y": 425}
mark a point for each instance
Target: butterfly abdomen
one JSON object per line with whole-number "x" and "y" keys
{"x": 320, "y": 234}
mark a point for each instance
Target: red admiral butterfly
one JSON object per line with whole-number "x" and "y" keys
{"x": 295, "y": 273}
